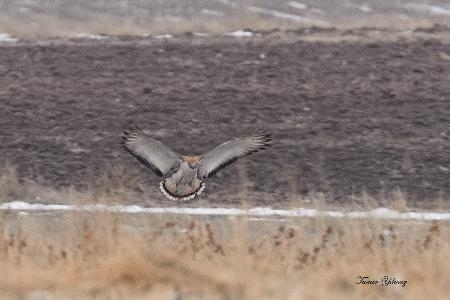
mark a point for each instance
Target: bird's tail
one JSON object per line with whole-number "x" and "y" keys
{"x": 171, "y": 196}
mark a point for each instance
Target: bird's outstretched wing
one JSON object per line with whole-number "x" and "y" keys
{"x": 229, "y": 152}
{"x": 150, "y": 152}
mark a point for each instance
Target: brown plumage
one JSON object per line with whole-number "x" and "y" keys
{"x": 185, "y": 173}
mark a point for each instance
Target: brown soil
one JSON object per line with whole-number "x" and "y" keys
{"x": 345, "y": 117}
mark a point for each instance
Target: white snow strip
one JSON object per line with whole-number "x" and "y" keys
{"x": 364, "y": 8}
{"x": 211, "y": 12}
{"x": 201, "y": 34}
{"x": 91, "y": 36}
{"x": 378, "y": 213}
{"x": 240, "y": 33}
{"x": 6, "y": 38}
{"x": 279, "y": 14}
{"x": 163, "y": 36}
{"x": 432, "y": 9}
{"x": 295, "y": 4}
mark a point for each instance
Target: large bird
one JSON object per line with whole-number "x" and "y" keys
{"x": 184, "y": 174}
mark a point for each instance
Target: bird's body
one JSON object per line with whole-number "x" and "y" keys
{"x": 183, "y": 183}
{"x": 185, "y": 173}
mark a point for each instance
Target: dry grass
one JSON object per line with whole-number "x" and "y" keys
{"x": 113, "y": 256}
{"x": 16, "y": 188}
{"x": 51, "y": 25}
{"x": 101, "y": 256}
{"x": 117, "y": 185}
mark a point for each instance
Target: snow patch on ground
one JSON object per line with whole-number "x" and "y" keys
{"x": 378, "y": 213}
{"x": 202, "y": 34}
{"x": 163, "y": 36}
{"x": 283, "y": 15}
{"x": 295, "y": 4}
{"x": 211, "y": 12}
{"x": 91, "y": 36}
{"x": 6, "y": 38}
{"x": 240, "y": 33}
{"x": 432, "y": 9}
{"x": 364, "y": 8}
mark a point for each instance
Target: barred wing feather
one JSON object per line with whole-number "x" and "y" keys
{"x": 150, "y": 152}
{"x": 230, "y": 151}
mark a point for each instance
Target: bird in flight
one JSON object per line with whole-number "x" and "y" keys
{"x": 185, "y": 174}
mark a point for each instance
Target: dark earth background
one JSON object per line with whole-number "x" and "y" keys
{"x": 346, "y": 117}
